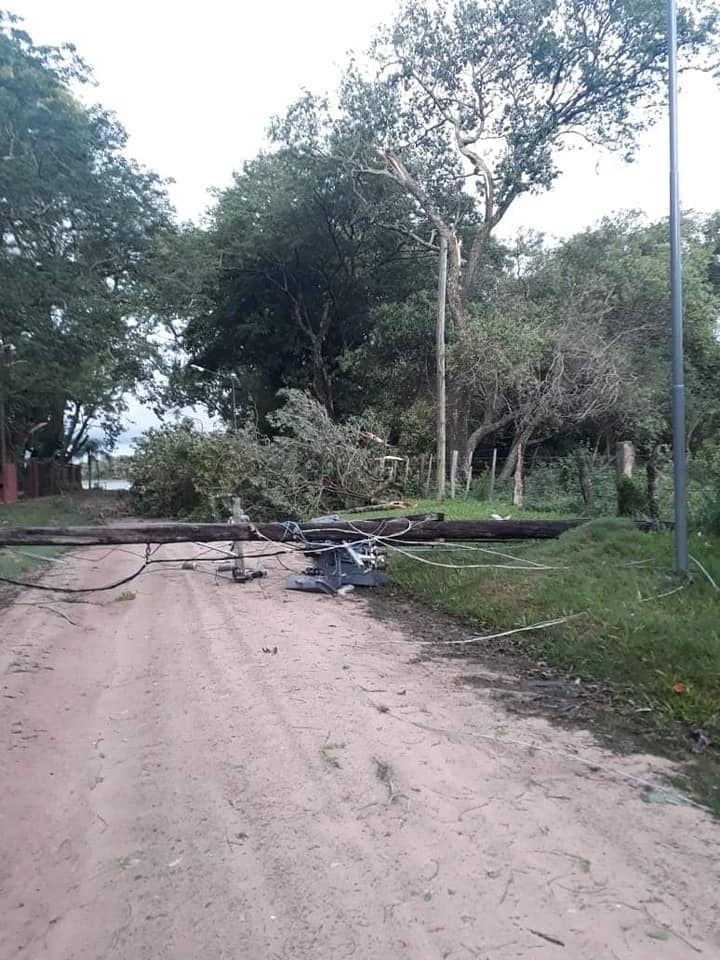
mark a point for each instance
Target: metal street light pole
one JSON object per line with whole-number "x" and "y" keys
{"x": 676, "y": 295}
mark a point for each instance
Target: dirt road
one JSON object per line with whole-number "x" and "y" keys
{"x": 169, "y": 790}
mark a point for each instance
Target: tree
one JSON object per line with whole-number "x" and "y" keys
{"x": 76, "y": 220}
{"x": 299, "y": 266}
{"x": 465, "y": 106}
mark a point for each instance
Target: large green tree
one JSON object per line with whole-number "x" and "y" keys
{"x": 464, "y": 105}
{"x": 298, "y": 266}
{"x": 77, "y": 219}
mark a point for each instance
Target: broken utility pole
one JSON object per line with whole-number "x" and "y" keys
{"x": 398, "y": 529}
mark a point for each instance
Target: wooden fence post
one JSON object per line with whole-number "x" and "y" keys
{"x": 426, "y": 491}
{"x": 453, "y": 473}
{"x": 625, "y": 458}
{"x": 493, "y": 468}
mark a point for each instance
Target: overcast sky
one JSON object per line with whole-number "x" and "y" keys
{"x": 195, "y": 84}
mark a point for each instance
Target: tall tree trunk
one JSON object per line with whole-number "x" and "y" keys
{"x": 508, "y": 467}
{"x": 486, "y": 429}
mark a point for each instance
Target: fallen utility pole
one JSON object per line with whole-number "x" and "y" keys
{"x": 399, "y": 529}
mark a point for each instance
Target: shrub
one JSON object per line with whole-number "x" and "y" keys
{"x": 704, "y": 489}
{"x": 311, "y": 466}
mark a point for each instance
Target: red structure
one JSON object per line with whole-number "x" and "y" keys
{"x": 8, "y": 483}
{"x": 47, "y": 478}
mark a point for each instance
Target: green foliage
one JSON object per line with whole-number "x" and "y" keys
{"x": 44, "y": 512}
{"x": 311, "y": 465}
{"x": 626, "y": 634}
{"x": 78, "y": 217}
{"x": 704, "y": 489}
{"x": 630, "y": 498}
{"x": 302, "y": 268}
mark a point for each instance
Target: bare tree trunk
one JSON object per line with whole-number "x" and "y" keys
{"x": 519, "y": 488}
{"x": 584, "y": 475}
{"x": 485, "y": 429}
{"x": 511, "y": 460}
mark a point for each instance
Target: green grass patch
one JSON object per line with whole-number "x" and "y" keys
{"x": 42, "y": 512}
{"x": 611, "y": 579}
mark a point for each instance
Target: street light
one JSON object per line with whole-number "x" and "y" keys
{"x": 232, "y": 377}
{"x": 676, "y": 296}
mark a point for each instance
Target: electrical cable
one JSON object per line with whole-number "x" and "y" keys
{"x": 42, "y": 586}
{"x": 119, "y": 583}
{"x": 469, "y": 566}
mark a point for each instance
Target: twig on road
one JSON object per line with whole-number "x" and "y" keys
{"x": 547, "y": 936}
{"x": 383, "y": 771}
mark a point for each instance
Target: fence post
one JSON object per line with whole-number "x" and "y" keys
{"x": 426, "y": 491}
{"x": 493, "y": 468}
{"x": 453, "y": 473}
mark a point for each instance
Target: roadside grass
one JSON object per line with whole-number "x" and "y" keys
{"x": 649, "y": 638}
{"x": 627, "y": 628}
{"x": 46, "y": 512}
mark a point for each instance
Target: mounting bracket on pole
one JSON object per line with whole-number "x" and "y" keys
{"x": 240, "y": 572}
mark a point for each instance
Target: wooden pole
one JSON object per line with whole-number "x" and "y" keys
{"x": 440, "y": 371}
{"x": 625, "y": 459}
{"x": 407, "y": 475}
{"x": 397, "y": 528}
{"x": 426, "y": 492}
{"x": 493, "y": 468}
{"x": 453, "y": 473}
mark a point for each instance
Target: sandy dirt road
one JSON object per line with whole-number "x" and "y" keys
{"x": 169, "y": 790}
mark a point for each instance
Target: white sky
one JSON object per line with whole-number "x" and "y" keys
{"x": 196, "y": 83}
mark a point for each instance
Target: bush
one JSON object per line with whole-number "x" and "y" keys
{"x": 704, "y": 490}
{"x": 555, "y": 488}
{"x": 311, "y": 466}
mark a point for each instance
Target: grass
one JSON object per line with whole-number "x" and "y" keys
{"x": 627, "y": 633}
{"x": 46, "y": 512}
{"x": 649, "y": 638}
